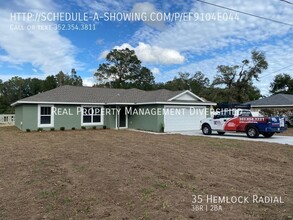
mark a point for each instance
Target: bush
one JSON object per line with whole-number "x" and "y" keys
{"x": 40, "y": 129}
{"x": 73, "y": 128}
{"x": 104, "y": 126}
{"x": 62, "y": 128}
{"x": 94, "y": 127}
{"x": 28, "y": 130}
{"x": 162, "y": 128}
{"x": 52, "y": 129}
{"x": 82, "y": 127}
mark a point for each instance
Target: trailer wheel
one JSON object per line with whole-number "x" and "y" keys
{"x": 268, "y": 134}
{"x": 206, "y": 129}
{"x": 252, "y": 132}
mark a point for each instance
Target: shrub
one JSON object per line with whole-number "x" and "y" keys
{"x": 82, "y": 127}
{"x": 62, "y": 128}
{"x": 104, "y": 126}
{"x": 52, "y": 129}
{"x": 162, "y": 128}
{"x": 94, "y": 127}
{"x": 73, "y": 128}
{"x": 40, "y": 129}
{"x": 28, "y": 130}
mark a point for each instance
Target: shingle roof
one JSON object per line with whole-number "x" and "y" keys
{"x": 274, "y": 100}
{"x": 79, "y": 94}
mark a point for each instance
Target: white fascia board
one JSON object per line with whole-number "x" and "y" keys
{"x": 190, "y": 93}
{"x": 178, "y": 103}
{"x": 91, "y": 103}
{"x": 57, "y": 103}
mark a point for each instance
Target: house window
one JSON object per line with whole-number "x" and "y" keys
{"x": 92, "y": 115}
{"x": 46, "y": 118}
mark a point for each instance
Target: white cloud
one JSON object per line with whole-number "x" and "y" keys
{"x": 46, "y": 50}
{"x": 205, "y": 34}
{"x": 149, "y": 14}
{"x": 103, "y": 54}
{"x": 88, "y": 81}
{"x": 153, "y": 54}
{"x": 155, "y": 70}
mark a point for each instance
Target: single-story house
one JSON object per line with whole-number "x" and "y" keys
{"x": 75, "y": 107}
{"x": 279, "y": 104}
{"x": 278, "y": 101}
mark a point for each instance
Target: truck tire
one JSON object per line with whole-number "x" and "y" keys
{"x": 221, "y": 132}
{"x": 268, "y": 134}
{"x": 252, "y": 132}
{"x": 206, "y": 129}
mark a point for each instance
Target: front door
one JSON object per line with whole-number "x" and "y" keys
{"x": 123, "y": 118}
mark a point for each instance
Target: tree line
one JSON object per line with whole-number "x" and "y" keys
{"x": 17, "y": 88}
{"x": 123, "y": 69}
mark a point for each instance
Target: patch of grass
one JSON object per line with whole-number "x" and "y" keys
{"x": 52, "y": 129}
{"x": 162, "y": 185}
{"x": 146, "y": 193}
{"x": 165, "y": 205}
{"x": 66, "y": 200}
{"x": 47, "y": 194}
{"x": 40, "y": 129}
{"x": 49, "y": 207}
{"x": 83, "y": 127}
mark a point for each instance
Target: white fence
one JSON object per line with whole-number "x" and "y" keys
{"x": 7, "y": 119}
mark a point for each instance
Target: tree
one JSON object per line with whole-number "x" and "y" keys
{"x": 238, "y": 79}
{"x": 283, "y": 83}
{"x": 66, "y": 79}
{"x": 74, "y": 79}
{"x": 123, "y": 70}
{"x": 185, "y": 81}
{"x": 49, "y": 83}
{"x": 144, "y": 79}
{"x": 197, "y": 83}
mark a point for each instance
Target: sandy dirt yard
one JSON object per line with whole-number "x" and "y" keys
{"x": 109, "y": 174}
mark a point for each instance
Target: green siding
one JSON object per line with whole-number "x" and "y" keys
{"x": 110, "y": 119}
{"x": 146, "y": 122}
{"x": 26, "y": 117}
{"x": 67, "y": 117}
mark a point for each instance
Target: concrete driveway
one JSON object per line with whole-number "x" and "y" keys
{"x": 242, "y": 136}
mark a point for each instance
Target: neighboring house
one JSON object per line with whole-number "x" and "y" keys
{"x": 279, "y": 104}
{"x": 278, "y": 101}
{"x": 75, "y": 107}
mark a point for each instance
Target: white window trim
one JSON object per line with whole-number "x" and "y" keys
{"x": 92, "y": 124}
{"x": 39, "y": 117}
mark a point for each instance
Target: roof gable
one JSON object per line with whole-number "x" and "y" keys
{"x": 187, "y": 96}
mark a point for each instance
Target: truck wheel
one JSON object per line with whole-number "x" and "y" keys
{"x": 252, "y": 132}
{"x": 268, "y": 134}
{"x": 206, "y": 129}
{"x": 221, "y": 133}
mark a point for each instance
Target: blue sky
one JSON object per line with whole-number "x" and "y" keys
{"x": 200, "y": 42}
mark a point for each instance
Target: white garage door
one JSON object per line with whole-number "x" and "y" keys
{"x": 183, "y": 118}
